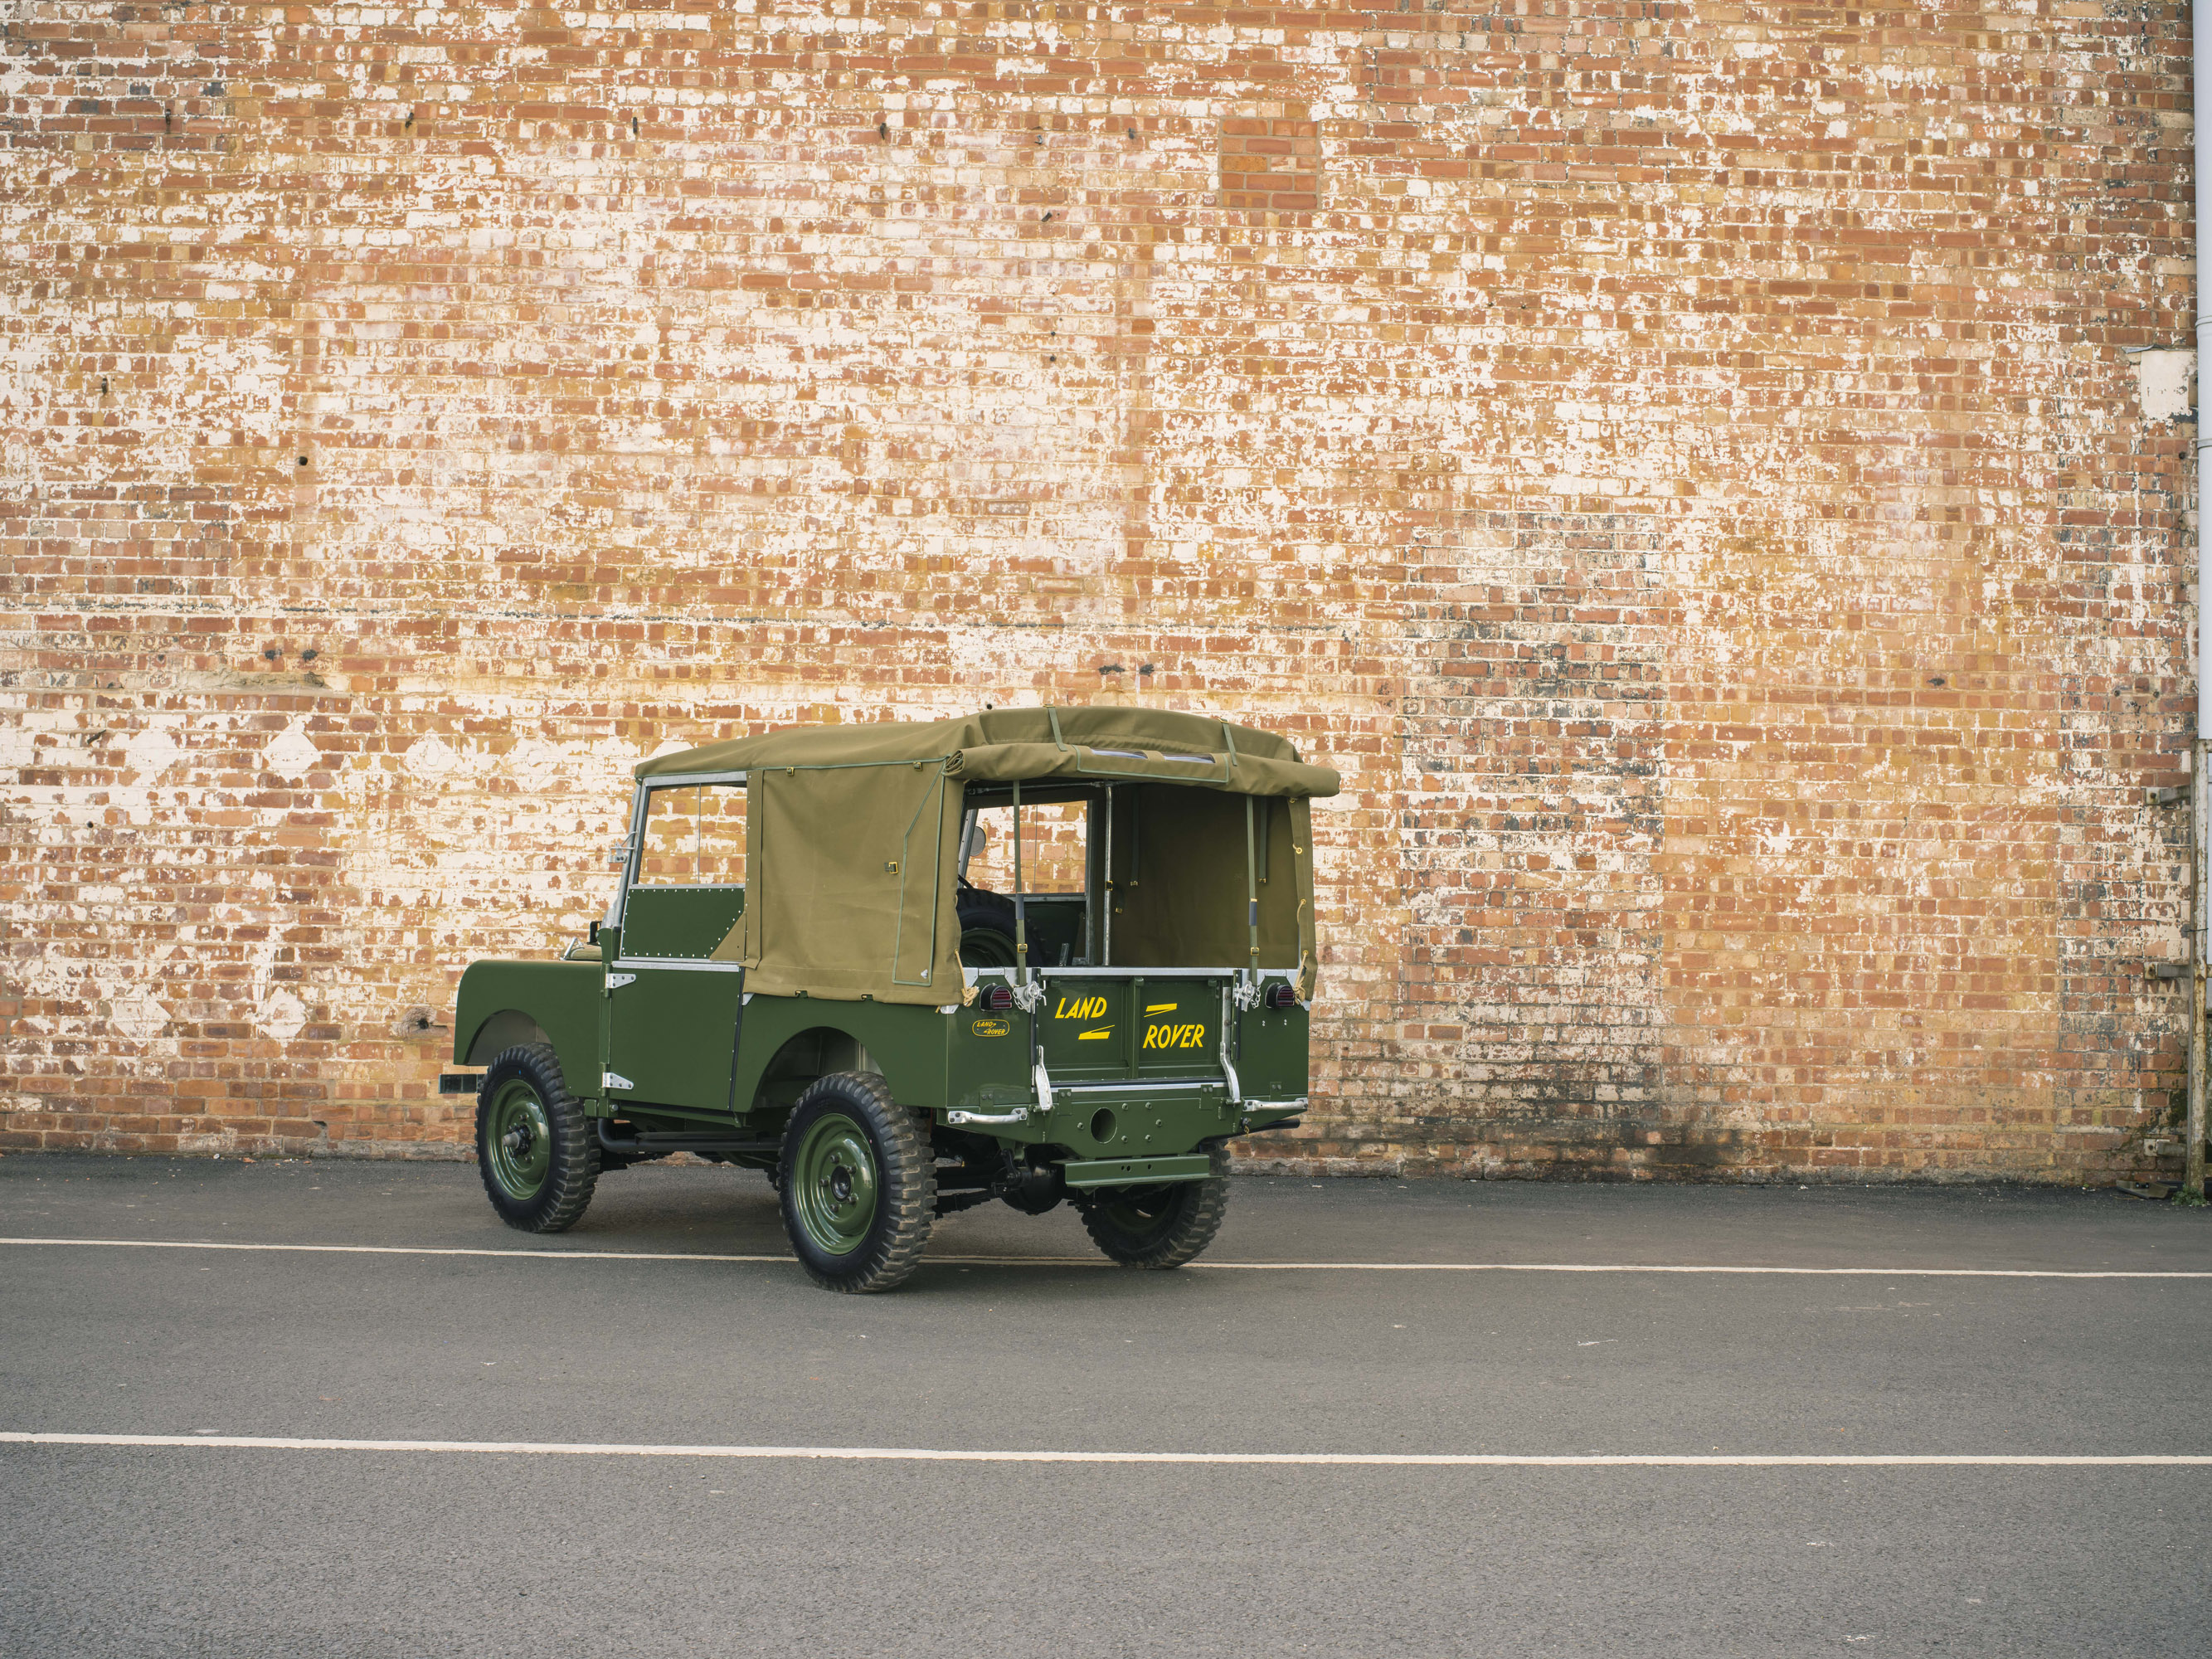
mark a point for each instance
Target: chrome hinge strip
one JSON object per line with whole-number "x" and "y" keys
{"x": 1228, "y": 1070}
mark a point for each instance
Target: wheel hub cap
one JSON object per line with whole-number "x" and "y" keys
{"x": 835, "y": 1183}
{"x": 521, "y": 1141}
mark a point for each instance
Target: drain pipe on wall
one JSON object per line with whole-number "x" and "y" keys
{"x": 2192, "y": 1179}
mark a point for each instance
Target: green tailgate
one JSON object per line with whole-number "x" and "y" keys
{"x": 1135, "y": 1065}
{"x": 1131, "y": 1027}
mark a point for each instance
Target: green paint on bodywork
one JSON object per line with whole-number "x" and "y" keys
{"x": 1136, "y": 1171}
{"x": 669, "y": 1032}
{"x": 1271, "y": 1050}
{"x": 561, "y": 998}
{"x": 683, "y": 923}
{"x": 908, "y": 1045}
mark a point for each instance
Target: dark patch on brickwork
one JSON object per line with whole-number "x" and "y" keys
{"x": 1532, "y": 739}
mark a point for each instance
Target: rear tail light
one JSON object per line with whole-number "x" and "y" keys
{"x": 996, "y": 998}
{"x": 1279, "y": 995}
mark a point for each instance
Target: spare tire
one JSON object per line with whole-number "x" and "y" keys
{"x": 986, "y": 931}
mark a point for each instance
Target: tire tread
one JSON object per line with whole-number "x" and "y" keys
{"x": 906, "y": 1189}
{"x": 574, "y": 1170}
{"x": 1186, "y": 1235}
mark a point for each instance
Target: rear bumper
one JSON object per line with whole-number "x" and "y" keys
{"x": 1136, "y": 1171}
{"x": 1140, "y": 1120}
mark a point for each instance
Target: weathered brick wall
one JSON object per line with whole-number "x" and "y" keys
{"x": 1679, "y": 460}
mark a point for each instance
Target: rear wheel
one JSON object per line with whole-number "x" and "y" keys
{"x": 535, "y": 1150}
{"x": 857, "y": 1184}
{"x": 1158, "y": 1226}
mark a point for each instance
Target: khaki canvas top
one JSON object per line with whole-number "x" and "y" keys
{"x": 1001, "y": 744}
{"x": 852, "y": 832}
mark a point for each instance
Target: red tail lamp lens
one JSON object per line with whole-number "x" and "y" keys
{"x": 997, "y": 998}
{"x": 1280, "y": 996}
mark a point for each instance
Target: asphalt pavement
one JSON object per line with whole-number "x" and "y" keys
{"x": 1384, "y": 1318}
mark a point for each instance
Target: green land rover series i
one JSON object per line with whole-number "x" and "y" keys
{"x": 1030, "y": 954}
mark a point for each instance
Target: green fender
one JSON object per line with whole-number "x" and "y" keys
{"x": 501, "y": 1004}
{"x": 905, "y": 1043}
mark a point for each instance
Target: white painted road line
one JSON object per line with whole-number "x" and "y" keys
{"x": 1100, "y": 1261}
{"x": 1374, "y": 1460}
{"x": 397, "y": 1249}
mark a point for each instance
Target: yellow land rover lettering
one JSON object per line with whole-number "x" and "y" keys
{"x": 1161, "y": 1007}
{"x": 1080, "y": 1008}
{"x": 1174, "y": 1037}
{"x": 1093, "y": 1037}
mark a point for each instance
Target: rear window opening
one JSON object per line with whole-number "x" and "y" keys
{"x": 1151, "y": 876}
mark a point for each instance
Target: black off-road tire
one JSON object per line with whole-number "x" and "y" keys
{"x": 987, "y": 930}
{"x": 841, "y": 1119}
{"x": 1158, "y": 1227}
{"x": 518, "y": 1077}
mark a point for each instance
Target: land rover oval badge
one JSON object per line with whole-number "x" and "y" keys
{"x": 989, "y": 1028}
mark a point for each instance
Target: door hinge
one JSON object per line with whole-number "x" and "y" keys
{"x": 616, "y": 981}
{"x": 615, "y": 1080}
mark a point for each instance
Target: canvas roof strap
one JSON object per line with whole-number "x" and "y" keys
{"x": 1252, "y": 883}
{"x": 1021, "y": 906}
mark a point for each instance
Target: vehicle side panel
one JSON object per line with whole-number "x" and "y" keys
{"x": 669, "y": 1034}
{"x": 906, "y": 1043}
{"x": 562, "y": 997}
{"x": 987, "y": 1061}
{"x": 1271, "y": 1048}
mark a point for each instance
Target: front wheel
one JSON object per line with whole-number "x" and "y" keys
{"x": 857, "y": 1184}
{"x": 1158, "y": 1226}
{"x": 536, "y": 1151}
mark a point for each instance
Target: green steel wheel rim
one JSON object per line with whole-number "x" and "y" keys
{"x": 520, "y": 1141}
{"x": 834, "y": 1183}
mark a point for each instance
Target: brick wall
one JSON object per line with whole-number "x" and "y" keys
{"x": 1680, "y": 461}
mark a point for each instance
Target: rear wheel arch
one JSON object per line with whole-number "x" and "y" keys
{"x": 805, "y": 1056}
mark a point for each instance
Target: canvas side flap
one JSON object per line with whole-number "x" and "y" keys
{"x": 848, "y": 894}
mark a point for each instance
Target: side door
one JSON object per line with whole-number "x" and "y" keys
{"x": 675, "y": 989}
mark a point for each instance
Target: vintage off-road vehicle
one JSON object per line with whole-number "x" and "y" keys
{"x": 821, "y": 961}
